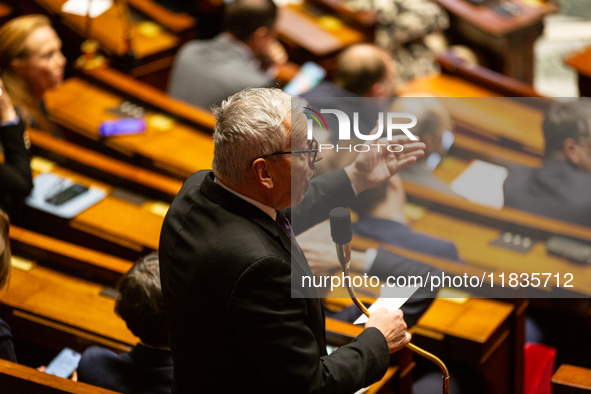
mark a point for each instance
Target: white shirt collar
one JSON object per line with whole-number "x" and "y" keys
{"x": 265, "y": 208}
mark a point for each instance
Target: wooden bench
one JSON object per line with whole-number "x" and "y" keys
{"x": 19, "y": 379}
{"x": 105, "y": 168}
{"x": 52, "y": 252}
{"x": 53, "y": 310}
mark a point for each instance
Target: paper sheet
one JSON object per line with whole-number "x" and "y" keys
{"x": 48, "y": 184}
{"x": 80, "y": 7}
{"x": 392, "y": 298}
{"x": 482, "y": 183}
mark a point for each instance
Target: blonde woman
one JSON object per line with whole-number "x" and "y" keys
{"x": 31, "y": 62}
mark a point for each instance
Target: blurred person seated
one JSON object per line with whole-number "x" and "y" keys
{"x": 205, "y": 72}
{"x": 6, "y": 345}
{"x": 363, "y": 70}
{"x": 561, "y": 188}
{"x": 409, "y": 30}
{"x": 31, "y": 63}
{"x": 148, "y": 367}
{"x": 15, "y": 172}
{"x": 434, "y": 128}
{"x": 381, "y": 218}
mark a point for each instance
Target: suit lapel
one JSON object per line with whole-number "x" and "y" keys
{"x": 243, "y": 208}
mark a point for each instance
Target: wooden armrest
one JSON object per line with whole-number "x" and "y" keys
{"x": 18, "y": 379}
{"x": 482, "y": 76}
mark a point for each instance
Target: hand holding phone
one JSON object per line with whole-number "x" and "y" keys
{"x": 64, "y": 364}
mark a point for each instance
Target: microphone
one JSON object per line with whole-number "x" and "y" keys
{"x": 342, "y": 234}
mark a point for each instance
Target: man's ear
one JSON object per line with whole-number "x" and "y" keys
{"x": 261, "y": 173}
{"x": 17, "y": 66}
{"x": 378, "y": 89}
{"x": 571, "y": 151}
{"x": 261, "y": 32}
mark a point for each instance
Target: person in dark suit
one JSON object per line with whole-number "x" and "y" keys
{"x": 561, "y": 188}
{"x": 434, "y": 125}
{"x": 15, "y": 173}
{"x": 232, "y": 272}
{"x": 205, "y": 72}
{"x": 381, "y": 217}
{"x": 148, "y": 367}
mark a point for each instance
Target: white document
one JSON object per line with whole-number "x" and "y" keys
{"x": 392, "y": 298}
{"x": 80, "y": 7}
{"x": 49, "y": 184}
{"x": 482, "y": 183}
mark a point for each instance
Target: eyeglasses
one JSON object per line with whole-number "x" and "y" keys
{"x": 312, "y": 151}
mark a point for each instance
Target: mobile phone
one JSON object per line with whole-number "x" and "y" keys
{"x": 308, "y": 77}
{"x": 67, "y": 194}
{"x": 64, "y": 364}
{"x": 123, "y": 126}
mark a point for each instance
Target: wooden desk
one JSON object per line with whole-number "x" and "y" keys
{"x": 80, "y": 106}
{"x": 43, "y": 303}
{"x": 18, "y": 379}
{"x": 472, "y": 227}
{"x": 508, "y": 41}
{"x": 569, "y": 379}
{"x": 311, "y": 33}
{"x": 114, "y": 225}
{"x": 480, "y": 332}
{"x": 581, "y": 62}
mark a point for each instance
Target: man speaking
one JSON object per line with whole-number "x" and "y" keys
{"x": 228, "y": 252}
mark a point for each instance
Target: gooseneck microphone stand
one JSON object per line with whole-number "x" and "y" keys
{"x": 342, "y": 233}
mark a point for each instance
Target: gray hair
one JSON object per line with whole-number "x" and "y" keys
{"x": 140, "y": 303}
{"x": 566, "y": 120}
{"x": 250, "y": 124}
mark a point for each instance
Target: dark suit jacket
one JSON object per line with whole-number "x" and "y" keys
{"x": 398, "y": 234}
{"x": 205, "y": 72}
{"x": 6, "y": 345}
{"x": 143, "y": 370}
{"x": 236, "y": 323}
{"x": 557, "y": 190}
{"x": 15, "y": 173}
